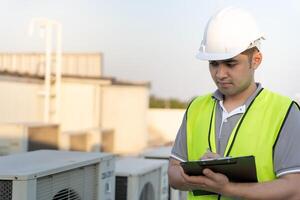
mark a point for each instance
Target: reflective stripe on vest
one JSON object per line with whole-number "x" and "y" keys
{"x": 255, "y": 133}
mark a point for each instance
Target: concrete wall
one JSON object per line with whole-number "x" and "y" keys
{"x": 163, "y": 124}
{"x": 19, "y": 100}
{"x": 86, "y": 104}
{"x": 124, "y": 110}
{"x": 80, "y": 105}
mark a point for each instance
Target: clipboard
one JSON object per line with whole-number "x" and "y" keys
{"x": 237, "y": 169}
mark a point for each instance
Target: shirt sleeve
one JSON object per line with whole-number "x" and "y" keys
{"x": 286, "y": 152}
{"x": 179, "y": 150}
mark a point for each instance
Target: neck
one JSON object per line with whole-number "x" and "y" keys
{"x": 233, "y": 101}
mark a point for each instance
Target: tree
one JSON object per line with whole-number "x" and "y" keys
{"x": 156, "y": 102}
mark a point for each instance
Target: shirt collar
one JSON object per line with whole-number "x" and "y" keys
{"x": 220, "y": 97}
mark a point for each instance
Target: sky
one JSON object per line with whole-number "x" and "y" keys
{"x": 157, "y": 40}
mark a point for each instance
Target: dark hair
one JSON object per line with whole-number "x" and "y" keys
{"x": 250, "y": 52}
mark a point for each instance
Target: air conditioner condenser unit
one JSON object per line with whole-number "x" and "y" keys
{"x": 57, "y": 175}
{"x": 163, "y": 153}
{"x": 141, "y": 179}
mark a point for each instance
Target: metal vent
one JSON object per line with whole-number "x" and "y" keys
{"x": 76, "y": 184}
{"x": 147, "y": 192}
{"x": 66, "y": 194}
{"x": 121, "y": 188}
{"x": 5, "y": 190}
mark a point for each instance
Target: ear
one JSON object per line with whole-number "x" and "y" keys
{"x": 256, "y": 59}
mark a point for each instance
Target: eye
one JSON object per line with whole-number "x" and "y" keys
{"x": 231, "y": 65}
{"x": 213, "y": 63}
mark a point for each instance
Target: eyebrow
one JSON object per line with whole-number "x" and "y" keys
{"x": 231, "y": 60}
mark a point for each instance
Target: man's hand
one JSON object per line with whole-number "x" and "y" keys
{"x": 211, "y": 181}
{"x": 209, "y": 155}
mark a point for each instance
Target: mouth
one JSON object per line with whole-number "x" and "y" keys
{"x": 224, "y": 84}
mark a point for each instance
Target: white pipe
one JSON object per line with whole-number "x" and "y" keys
{"x": 48, "y": 26}
{"x": 47, "y": 72}
{"x": 58, "y": 73}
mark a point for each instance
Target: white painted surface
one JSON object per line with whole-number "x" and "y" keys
{"x": 19, "y": 101}
{"x": 79, "y": 109}
{"x": 165, "y": 122}
{"x": 124, "y": 110}
{"x": 35, "y": 164}
{"x": 85, "y": 104}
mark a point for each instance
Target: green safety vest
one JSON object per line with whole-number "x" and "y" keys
{"x": 255, "y": 134}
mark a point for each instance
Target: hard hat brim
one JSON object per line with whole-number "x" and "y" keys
{"x": 225, "y": 56}
{"x": 215, "y": 56}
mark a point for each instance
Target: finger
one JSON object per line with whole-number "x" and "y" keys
{"x": 199, "y": 179}
{"x": 183, "y": 174}
{"x": 212, "y": 175}
{"x": 208, "y": 155}
{"x": 190, "y": 182}
{"x": 209, "y": 173}
{"x": 195, "y": 180}
{"x": 201, "y": 182}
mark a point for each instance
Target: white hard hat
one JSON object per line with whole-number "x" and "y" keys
{"x": 228, "y": 33}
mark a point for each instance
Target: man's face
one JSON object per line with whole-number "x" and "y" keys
{"x": 234, "y": 75}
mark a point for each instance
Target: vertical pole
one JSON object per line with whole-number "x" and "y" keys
{"x": 58, "y": 73}
{"x": 47, "y": 72}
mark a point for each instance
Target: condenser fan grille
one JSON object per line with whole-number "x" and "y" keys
{"x": 121, "y": 187}
{"x": 66, "y": 194}
{"x": 76, "y": 184}
{"x": 5, "y": 190}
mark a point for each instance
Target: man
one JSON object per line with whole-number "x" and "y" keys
{"x": 239, "y": 119}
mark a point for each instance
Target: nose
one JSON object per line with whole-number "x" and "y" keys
{"x": 221, "y": 71}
